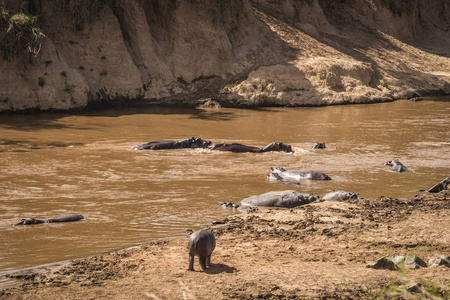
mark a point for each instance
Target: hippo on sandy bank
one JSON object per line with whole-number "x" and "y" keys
{"x": 297, "y": 175}
{"x": 192, "y": 142}
{"x": 239, "y": 148}
{"x": 67, "y": 217}
{"x": 201, "y": 243}
{"x": 280, "y": 199}
{"x": 340, "y": 196}
{"x": 441, "y": 186}
{"x": 397, "y": 166}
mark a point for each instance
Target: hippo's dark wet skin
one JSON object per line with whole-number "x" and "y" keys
{"x": 396, "y": 165}
{"x": 192, "y": 142}
{"x": 68, "y": 217}
{"x": 201, "y": 243}
{"x": 239, "y": 148}
{"x": 319, "y": 146}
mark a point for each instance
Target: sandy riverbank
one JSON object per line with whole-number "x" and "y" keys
{"x": 318, "y": 250}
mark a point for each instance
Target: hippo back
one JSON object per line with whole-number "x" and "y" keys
{"x": 67, "y": 217}
{"x": 287, "y": 199}
{"x": 201, "y": 243}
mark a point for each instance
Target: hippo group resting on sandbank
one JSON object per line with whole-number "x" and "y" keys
{"x": 66, "y": 217}
{"x": 199, "y": 143}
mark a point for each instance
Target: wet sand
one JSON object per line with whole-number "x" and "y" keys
{"x": 319, "y": 250}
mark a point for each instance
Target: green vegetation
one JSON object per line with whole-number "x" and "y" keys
{"x": 63, "y": 74}
{"x": 41, "y": 81}
{"x": 19, "y": 30}
{"x": 103, "y": 73}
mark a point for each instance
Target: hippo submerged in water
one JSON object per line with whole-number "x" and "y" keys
{"x": 199, "y": 143}
{"x": 239, "y": 148}
{"x": 396, "y": 165}
{"x": 319, "y": 146}
{"x": 287, "y": 177}
{"x": 192, "y": 142}
{"x": 201, "y": 243}
{"x": 67, "y": 217}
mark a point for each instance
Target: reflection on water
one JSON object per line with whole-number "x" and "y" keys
{"x": 55, "y": 163}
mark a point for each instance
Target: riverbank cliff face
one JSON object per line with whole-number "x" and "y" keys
{"x": 229, "y": 53}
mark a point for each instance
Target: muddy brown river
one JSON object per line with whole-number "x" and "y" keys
{"x": 55, "y": 163}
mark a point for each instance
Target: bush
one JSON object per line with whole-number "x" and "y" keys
{"x": 19, "y": 31}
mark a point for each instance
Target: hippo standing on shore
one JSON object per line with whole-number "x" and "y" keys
{"x": 192, "y": 142}
{"x": 397, "y": 166}
{"x": 67, "y": 217}
{"x": 201, "y": 243}
{"x": 299, "y": 175}
{"x": 239, "y": 148}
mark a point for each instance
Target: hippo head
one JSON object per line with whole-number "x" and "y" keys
{"x": 199, "y": 143}
{"x": 27, "y": 221}
{"x": 319, "y": 146}
{"x": 391, "y": 163}
{"x": 277, "y": 170}
{"x": 282, "y": 147}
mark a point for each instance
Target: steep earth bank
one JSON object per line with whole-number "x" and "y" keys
{"x": 316, "y": 251}
{"x": 229, "y": 53}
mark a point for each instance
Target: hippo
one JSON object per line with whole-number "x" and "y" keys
{"x": 229, "y": 205}
{"x": 397, "y": 166}
{"x": 287, "y": 199}
{"x": 443, "y": 185}
{"x": 192, "y": 142}
{"x": 67, "y": 217}
{"x": 248, "y": 209}
{"x": 239, "y": 148}
{"x": 201, "y": 243}
{"x": 275, "y": 177}
{"x": 340, "y": 196}
{"x": 319, "y": 146}
{"x": 299, "y": 175}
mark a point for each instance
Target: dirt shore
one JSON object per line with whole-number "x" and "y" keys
{"x": 319, "y": 250}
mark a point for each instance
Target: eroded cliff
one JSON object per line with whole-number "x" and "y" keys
{"x": 236, "y": 53}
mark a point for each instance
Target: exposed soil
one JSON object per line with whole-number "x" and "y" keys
{"x": 319, "y": 250}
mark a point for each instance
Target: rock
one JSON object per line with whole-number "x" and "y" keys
{"x": 441, "y": 186}
{"x": 383, "y": 263}
{"x": 414, "y": 262}
{"x": 442, "y": 260}
{"x": 287, "y": 199}
{"x": 410, "y": 262}
{"x": 415, "y": 288}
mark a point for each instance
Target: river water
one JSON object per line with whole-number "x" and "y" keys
{"x": 55, "y": 163}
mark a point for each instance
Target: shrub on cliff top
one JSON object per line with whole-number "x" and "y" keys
{"x": 19, "y": 32}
